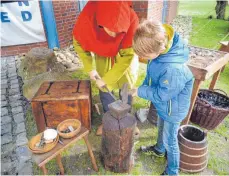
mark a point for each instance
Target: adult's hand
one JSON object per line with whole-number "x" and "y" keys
{"x": 94, "y": 75}
{"x": 100, "y": 83}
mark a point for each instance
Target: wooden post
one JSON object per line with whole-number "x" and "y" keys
{"x": 91, "y": 153}
{"x": 222, "y": 69}
{"x": 214, "y": 79}
{"x": 58, "y": 159}
{"x": 45, "y": 171}
{"x": 195, "y": 91}
{"x": 118, "y": 143}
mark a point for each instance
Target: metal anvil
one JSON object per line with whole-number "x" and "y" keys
{"x": 118, "y": 109}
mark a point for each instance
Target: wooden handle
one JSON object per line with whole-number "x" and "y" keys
{"x": 106, "y": 88}
{"x": 96, "y": 77}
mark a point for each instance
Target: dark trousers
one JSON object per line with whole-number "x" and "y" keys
{"x": 107, "y": 99}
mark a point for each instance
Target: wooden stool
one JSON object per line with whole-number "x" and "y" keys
{"x": 42, "y": 159}
{"x": 202, "y": 74}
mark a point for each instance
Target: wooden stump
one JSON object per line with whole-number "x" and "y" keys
{"x": 118, "y": 142}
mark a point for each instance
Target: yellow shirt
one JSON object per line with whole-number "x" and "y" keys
{"x": 170, "y": 34}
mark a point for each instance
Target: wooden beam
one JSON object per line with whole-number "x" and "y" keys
{"x": 196, "y": 87}
{"x": 58, "y": 160}
{"x": 214, "y": 79}
{"x": 91, "y": 153}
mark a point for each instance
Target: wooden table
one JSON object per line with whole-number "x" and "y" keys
{"x": 42, "y": 159}
{"x": 202, "y": 74}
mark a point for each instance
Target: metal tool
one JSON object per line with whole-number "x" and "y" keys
{"x": 124, "y": 93}
{"x": 78, "y": 87}
{"x": 42, "y": 141}
{"x": 61, "y": 142}
{"x": 47, "y": 90}
{"x": 105, "y": 87}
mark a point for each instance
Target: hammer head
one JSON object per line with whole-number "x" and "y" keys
{"x": 124, "y": 93}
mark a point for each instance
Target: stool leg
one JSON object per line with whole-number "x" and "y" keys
{"x": 214, "y": 79}
{"x": 45, "y": 171}
{"x": 90, "y": 153}
{"x": 58, "y": 159}
{"x": 196, "y": 87}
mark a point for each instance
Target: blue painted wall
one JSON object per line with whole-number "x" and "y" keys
{"x": 49, "y": 23}
{"x": 82, "y": 4}
{"x": 164, "y": 11}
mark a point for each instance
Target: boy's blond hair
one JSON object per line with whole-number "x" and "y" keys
{"x": 149, "y": 38}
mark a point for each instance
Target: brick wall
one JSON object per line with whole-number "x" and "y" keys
{"x": 66, "y": 13}
{"x": 18, "y": 49}
{"x": 171, "y": 11}
{"x": 148, "y": 9}
{"x": 141, "y": 8}
{"x": 153, "y": 9}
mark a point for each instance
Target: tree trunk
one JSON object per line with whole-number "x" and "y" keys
{"x": 220, "y": 9}
{"x": 118, "y": 143}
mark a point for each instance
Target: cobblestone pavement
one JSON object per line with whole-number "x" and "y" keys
{"x": 15, "y": 156}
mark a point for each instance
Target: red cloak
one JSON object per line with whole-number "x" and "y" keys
{"x": 117, "y": 16}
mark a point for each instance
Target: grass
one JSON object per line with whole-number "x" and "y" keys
{"x": 207, "y": 33}
{"x": 200, "y": 9}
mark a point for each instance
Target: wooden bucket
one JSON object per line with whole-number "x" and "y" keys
{"x": 193, "y": 149}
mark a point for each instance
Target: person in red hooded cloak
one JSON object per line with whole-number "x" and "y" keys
{"x": 106, "y": 28}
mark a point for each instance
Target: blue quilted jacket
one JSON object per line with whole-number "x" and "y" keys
{"x": 168, "y": 83}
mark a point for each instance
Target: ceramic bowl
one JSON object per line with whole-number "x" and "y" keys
{"x": 50, "y": 135}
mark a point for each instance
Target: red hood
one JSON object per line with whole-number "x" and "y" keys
{"x": 117, "y": 16}
{"x": 113, "y": 15}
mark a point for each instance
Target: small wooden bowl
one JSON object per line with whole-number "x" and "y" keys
{"x": 76, "y": 124}
{"x": 47, "y": 147}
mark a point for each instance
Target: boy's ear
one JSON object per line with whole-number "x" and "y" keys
{"x": 163, "y": 48}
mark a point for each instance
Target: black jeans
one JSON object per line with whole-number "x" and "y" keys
{"x": 107, "y": 99}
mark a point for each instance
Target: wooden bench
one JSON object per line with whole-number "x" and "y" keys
{"x": 42, "y": 159}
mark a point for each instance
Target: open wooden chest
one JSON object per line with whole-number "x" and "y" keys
{"x": 60, "y": 100}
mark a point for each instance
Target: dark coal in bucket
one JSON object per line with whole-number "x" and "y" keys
{"x": 214, "y": 99}
{"x": 210, "y": 109}
{"x": 192, "y": 134}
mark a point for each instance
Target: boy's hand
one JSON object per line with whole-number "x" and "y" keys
{"x": 93, "y": 74}
{"x": 134, "y": 92}
{"x": 100, "y": 83}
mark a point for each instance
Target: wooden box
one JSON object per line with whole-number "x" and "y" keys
{"x": 60, "y": 100}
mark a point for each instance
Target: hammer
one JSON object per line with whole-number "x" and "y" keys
{"x": 105, "y": 87}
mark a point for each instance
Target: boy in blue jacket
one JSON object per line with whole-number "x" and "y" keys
{"x": 168, "y": 85}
